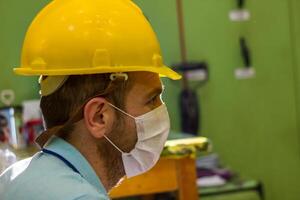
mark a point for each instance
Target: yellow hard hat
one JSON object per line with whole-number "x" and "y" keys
{"x": 74, "y": 37}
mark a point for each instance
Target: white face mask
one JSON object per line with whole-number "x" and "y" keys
{"x": 152, "y": 132}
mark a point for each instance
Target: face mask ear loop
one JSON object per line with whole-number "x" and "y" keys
{"x": 129, "y": 115}
{"x": 113, "y": 144}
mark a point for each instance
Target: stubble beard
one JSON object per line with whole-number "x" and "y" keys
{"x": 111, "y": 157}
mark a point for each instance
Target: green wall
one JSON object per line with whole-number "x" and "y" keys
{"x": 15, "y": 17}
{"x": 295, "y": 42}
{"x": 252, "y": 123}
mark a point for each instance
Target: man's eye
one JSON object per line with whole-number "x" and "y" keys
{"x": 154, "y": 99}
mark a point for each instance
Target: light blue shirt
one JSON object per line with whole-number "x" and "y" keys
{"x": 45, "y": 176}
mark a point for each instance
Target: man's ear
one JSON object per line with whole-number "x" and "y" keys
{"x": 98, "y": 118}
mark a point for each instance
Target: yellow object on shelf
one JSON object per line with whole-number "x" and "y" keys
{"x": 186, "y": 147}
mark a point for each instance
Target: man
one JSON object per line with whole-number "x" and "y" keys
{"x": 100, "y": 63}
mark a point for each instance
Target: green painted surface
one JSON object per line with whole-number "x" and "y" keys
{"x": 15, "y": 17}
{"x": 295, "y": 42}
{"x": 252, "y": 123}
{"x": 248, "y": 195}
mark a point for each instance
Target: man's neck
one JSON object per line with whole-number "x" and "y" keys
{"x": 89, "y": 149}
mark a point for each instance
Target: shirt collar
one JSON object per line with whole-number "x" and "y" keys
{"x": 71, "y": 154}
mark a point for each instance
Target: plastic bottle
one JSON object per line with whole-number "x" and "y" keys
{"x": 7, "y": 158}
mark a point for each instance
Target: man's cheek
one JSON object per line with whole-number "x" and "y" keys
{"x": 131, "y": 136}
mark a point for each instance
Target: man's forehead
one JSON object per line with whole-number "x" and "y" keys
{"x": 145, "y": 78}
{"x": 145, "y": 82}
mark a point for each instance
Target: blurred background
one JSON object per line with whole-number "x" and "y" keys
{"x": 248, "y": 99}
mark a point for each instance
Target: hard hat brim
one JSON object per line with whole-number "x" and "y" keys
{"x": 163, "y": 71}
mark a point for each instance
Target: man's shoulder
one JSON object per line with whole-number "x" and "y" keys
{"x": 42, "y": 180}
{"x": 57, "y": 192}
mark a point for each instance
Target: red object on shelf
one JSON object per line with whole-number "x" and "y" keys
{"x": 30, "y": 129}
